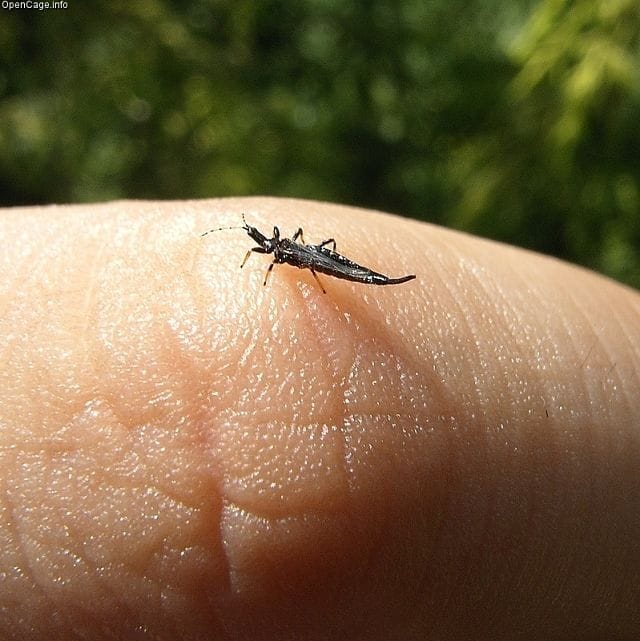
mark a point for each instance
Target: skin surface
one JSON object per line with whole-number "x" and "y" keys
{"x": 186, "y": 454}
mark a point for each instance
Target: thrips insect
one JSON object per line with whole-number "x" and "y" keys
{"x": 316, "y": 258}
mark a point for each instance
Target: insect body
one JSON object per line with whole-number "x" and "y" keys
{"x": 316, "y": 258}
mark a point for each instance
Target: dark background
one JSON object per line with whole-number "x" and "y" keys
{"x": 513, "y": 119}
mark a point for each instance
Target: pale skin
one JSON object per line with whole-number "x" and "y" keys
{"x": 186, "y": 454}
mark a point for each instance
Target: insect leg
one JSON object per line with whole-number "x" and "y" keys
{"x": 266, "y": 276}
{"x": 257, "y": 250}
{"x": 328, "y": 242}
{"x": 324, "y": 291}
{"x": 299, "y": 235}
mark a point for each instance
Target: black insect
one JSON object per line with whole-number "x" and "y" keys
{"x": 316, "y": 258}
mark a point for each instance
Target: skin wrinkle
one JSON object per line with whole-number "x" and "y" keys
{"x": 571, "y": 335}
{"x": 617, "y": 326}
{"x": 94, "y": 623}
{"x": 508, "y": 310}
{"x": 474, "y": 420}
{"x": 89, "y": 306}
{"x": 370, "y": 559}
{"x": 635, "y": 349}
{"x": 598, "y": 406}
{"x": 445, "y": 504}
{"x": 455, "y": 303}
{"x": 587, "y": 453}
{"x": 320, "y": 342}
{"x": 578, "y": 311}
{"x": 170, "y": 357}
{"x": 115, "y": 402}
{"x": 245, "y": 363}
{"x": 14, "y": 523}
{"x": 46, "y": 597}
{"x": 113, "y": 570}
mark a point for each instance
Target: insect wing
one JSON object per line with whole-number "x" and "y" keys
{"x": 330, "y": 262}
{"x": 326, "y": 261}
{"x": 335, "y": 257}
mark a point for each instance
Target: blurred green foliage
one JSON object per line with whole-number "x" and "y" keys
{"x": 514, "y": 119}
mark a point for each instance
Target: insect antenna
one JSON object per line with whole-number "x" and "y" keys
{"x": 219, "y": 229}
{"x": 223, "y": 228}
